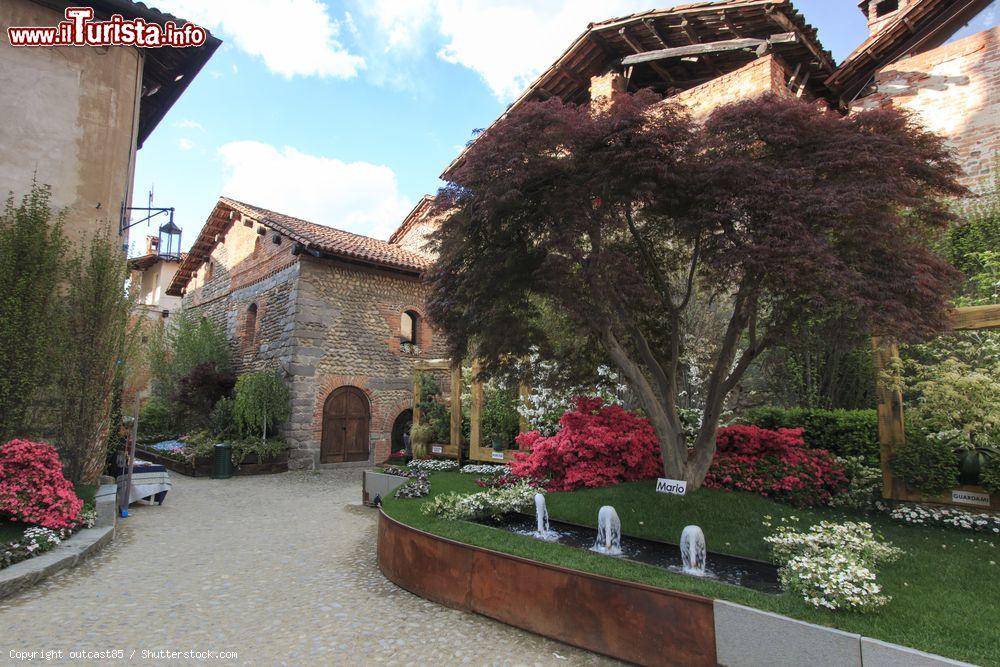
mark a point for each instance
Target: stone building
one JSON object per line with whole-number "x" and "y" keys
{"x": 74, "y": 116}
{"x": 939, "y": 59}
{"x": 341, "y": 315}
{"x": 152, "y": 272}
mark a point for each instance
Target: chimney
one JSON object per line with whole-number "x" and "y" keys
{"x": 881, "y": 13}
{"x": 607, "y": 86}
{"x": 152, "y": 243}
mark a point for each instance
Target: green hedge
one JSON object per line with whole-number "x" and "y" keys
{"x": 842, "y": 432}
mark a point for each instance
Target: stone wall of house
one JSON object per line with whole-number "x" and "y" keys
{"x": 764, "y": 75}
{"x": 245, "y": 272}
{"x": 955, "y": 91}
{"x": 346, "y": 327}
{"x": 69, "y": 118}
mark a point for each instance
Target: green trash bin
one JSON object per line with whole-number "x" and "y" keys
{"x": 222, "y": 463}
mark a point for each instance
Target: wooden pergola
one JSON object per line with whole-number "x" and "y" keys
{"x": 453, "y": 449}
{"x": 891, "y": 425}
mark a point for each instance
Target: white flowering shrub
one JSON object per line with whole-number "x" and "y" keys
{"x": 415, "y": 488}
{"x": 88, "y": 517}
{"x": 832, "y": 565}
{"x": 435, "y": 465}
{"x": 546, "y": 401}
{"x": 953, "y": 517}
{"x": 484, "y": 469}
{"x": 853, "y": 537}
{"x": 833, "y": 580}
{"x": 34, "y": 541}
{"x": 864, "y": 485}
{"x": 41, "y": 539}
{"x": 493, "y": 502}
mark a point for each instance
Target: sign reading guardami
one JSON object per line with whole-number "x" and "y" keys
{"x": 675, "y": 486}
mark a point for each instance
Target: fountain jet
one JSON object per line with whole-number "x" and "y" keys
{"x": 609, "y": 532}
{"x": 693, "y": 553}
{"x": 542, "y": 520}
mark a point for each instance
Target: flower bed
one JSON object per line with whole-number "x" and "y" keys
{"x": 597, "y": 445}
{"x": 37, "y": 503}
{"x": 194, "y": 456}
{"x": 439, "y": 465}
{"x": 833, "y": 565}
{"x": 920, "y": 515}
{"x": 942, "y": 569}
{"x": 775, "y": 464}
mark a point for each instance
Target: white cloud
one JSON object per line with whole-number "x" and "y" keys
{"x": 188, "y": 124}
{"x": 355, "y": 196}
{"x": 507, "y": 42}
{"x": 292, "y": 37}
{"x": 185, "y": 144}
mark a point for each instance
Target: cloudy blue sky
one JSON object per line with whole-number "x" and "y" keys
{"x": 345, "y": 112}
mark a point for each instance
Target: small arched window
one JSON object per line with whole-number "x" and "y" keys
{"x": 408, "y": 325}
{"x": 250, "y": 326}
{"x": 256, "y": 245}
{"x": 209, "y": 271}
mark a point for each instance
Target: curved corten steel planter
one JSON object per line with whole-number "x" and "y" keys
{"x": 621, "y": 619}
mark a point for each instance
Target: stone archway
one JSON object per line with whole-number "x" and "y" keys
{"x": 400, "y": 426}
{"x": 346, "y": 427}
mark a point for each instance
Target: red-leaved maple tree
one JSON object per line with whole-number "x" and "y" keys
{"x": 625, "y": 213}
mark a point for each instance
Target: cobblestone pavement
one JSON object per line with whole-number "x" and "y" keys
{"x": 280, "y": 569}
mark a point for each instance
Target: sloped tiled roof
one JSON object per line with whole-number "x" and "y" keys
{"x": 604, "y": 44}
{"x": 333, "y": 241}
{"x": 315, "y": 239}
{"x": 907, "y": 30}
{"x": 419, "y": 212}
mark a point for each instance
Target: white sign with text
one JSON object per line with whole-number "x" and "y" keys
{"x": 970, "y": 498}
{"x": 675, "y": 486}
{"x": 436, "y": 449}
{"x": 497, "y": 456}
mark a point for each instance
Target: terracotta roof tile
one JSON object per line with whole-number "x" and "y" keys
{"x": 333, "y": 241}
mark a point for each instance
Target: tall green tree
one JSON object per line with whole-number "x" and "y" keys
{"x": 32, "y": 250}
{"x": 625, "y": 213}
{"x": 97, "y": 332}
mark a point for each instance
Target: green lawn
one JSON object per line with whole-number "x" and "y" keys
{"x": 945, "y": 589}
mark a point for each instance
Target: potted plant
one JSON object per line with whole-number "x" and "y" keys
{"x": 972, "y": 460}
{"x": 498, "y": 443}
{"x": 420, "y": 438}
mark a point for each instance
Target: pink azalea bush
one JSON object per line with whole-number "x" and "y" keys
{"x": 33, "y": 489}
{"x": 775, "y": 464}
{"x": 597, "y": 445}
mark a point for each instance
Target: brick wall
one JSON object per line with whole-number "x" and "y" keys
{"x": 955, "y": 91}
{"x": 346, "y": 328}
{"x": 416, "y": 237}
{"x": 247, "y": 269}
{"x": 763, "y": 75}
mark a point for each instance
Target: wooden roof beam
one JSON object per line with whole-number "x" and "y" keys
{"x": 786, "y": 23}
{"x": 695, "y": 39}
{"x": 651, "y": 27}
{"x": 638, "y": 49}
{"x": 709, "y": 47}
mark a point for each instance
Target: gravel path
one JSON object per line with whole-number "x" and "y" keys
{"x": 279, "y": 569}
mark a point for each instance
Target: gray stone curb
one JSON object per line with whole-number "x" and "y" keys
{"x": 747, "y": 637}
{"x": 76, "y": 549}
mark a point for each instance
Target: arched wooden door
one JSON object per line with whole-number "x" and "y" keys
{"x": 346, "y": 420}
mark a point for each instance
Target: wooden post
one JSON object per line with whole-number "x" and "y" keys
{"x": 456, "y": 409}
{"x": 475, "y": 418}
{"x": 891, "y": 429}
{"x": 416, "y": 397}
